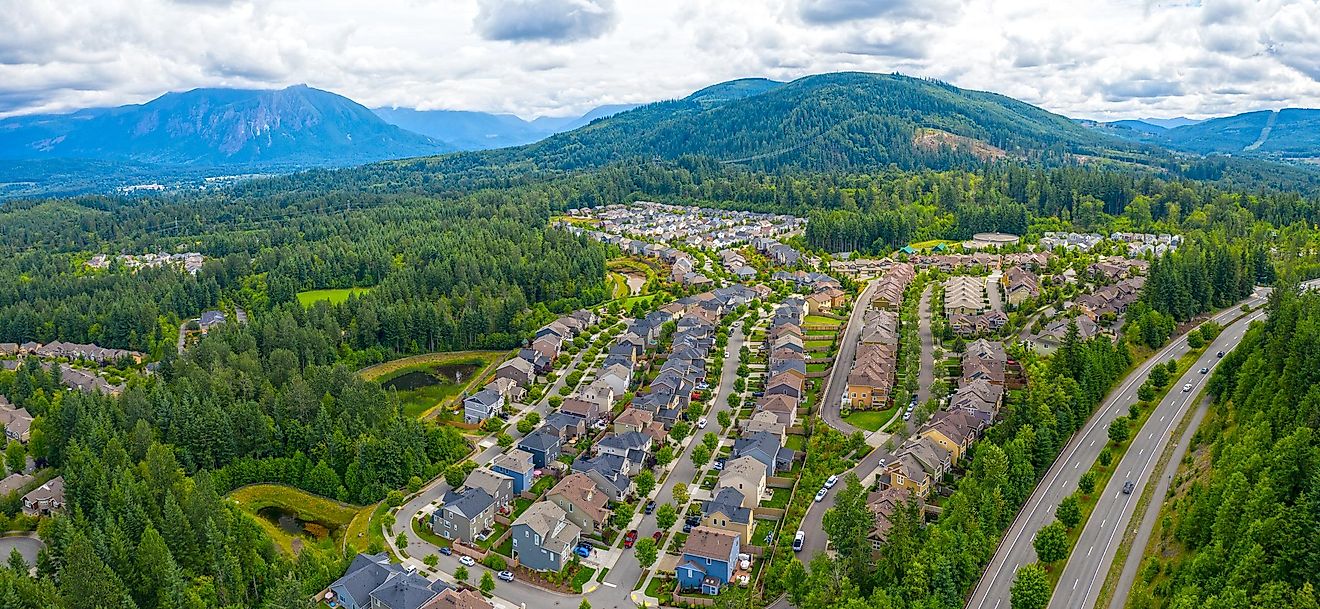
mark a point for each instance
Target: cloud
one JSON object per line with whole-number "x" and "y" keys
{"x": 837, "y": 11}
{"x": 546, "y": 20}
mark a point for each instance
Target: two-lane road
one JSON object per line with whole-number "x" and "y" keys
{"x": 1015, "y": 549}
{"x": 837, "y": 382}
{"x": 1080, "y": 582}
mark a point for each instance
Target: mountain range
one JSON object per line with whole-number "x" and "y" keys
{"x": 831, "y": 121}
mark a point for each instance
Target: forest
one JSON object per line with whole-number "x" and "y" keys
{"x": 1243, "y": 529}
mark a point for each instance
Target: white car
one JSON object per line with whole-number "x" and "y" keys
{"x": 701, "y": 423}
{"x": 1187, "y": 387}
{"x": 820, "y": 494}
{"x": 831, "y": 481}
{"x": 466, "y": 561}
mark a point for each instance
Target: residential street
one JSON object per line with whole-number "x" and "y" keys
{"x": 927, "y": 375}
{"x": 837, "y": 382}
{"x": 1095, "y": 549}
{"x": 1016, "y": 549}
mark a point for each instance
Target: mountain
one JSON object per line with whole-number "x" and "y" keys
{"x": 1138, "y": 125}
{"x": 1170, "y": 123}
{"x": 294, "y": 127}
{"x": 1292, "y": 133}
{"x": 482, "y": 131}
{"x": 824, "y": 122}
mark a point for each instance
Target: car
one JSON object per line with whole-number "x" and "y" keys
{"x": 831, "y": 481}
{"x": 797, "y": 541}
{"x": 466, "y": 561}
{"x": 446, "y": 551}
{"x": 687, "y": 527}
{"x": 1205, "y": 370}
{"x": 701, "y": 423}
{"x": 1128, "y": 487}
{"x": 883, "y": 462}
{"x": 820, "y": 494}
{"x": 506, "y": 576}
{"x": 719, "y": 467}
{"x": 692, "y": 520}
{"x": 1220, "y": 354}
{"x": 657, "y": 536}
{"x": 758, "y": 394}
{"x": 769, "y": 538}
{"x": 630, "y": 538}
{"x": 583, "y": 550}
{"x": 1187, "y": 387}
{"x": 907, "y": 415}
{"x": 650, "y": 507}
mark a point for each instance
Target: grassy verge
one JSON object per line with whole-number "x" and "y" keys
{"x": 333, "y": 296}
{"x": 870, "y": 420}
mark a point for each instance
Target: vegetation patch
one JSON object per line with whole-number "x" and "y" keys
{"x": 870, "y": 420}
{"x": 333, "y": 296}
{"x": 425, "y": 382}
{"x": 293, "y": 517}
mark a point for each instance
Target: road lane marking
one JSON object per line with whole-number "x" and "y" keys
{"x": 1088, "y": 550}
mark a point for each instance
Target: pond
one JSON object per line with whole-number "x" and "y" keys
{"x": 435, "y": 375}
{"x": 290, "y": 523}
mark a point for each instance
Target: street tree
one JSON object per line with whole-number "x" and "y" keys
{"x": 1031, "y": 588}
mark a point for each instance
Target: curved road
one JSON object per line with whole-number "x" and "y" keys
{"x": 1016, "y": 549}
{"x": 1079, "y": 585}
{"x": 837, "y": 382}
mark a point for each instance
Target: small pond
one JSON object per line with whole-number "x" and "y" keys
{"x": 435, "y": 375}
{"x": 290, "y": 523}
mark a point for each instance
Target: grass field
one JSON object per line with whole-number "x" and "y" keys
{"x": 822, "y": 320}
{"x": 334, "y": 296}
{"x": 818, "y": 343}
{"x": 778, "y": 499}
{"x": 618, "y": 284}
{"x": 365, "y": 528}
{"x": 870, "y": 420}
{"x": 932, "y": 243}
{"x": 422, "y": 400}
{"x": 329, "y": 513}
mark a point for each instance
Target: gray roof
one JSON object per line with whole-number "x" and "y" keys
{"x": 485, "y": 398}
{"x": 468, "y": 502}
{"x": 542, "y": 438}
{"x": 729, "y": 502}
{"x": 516, "y": 460}
{"x": 625, "y": 441}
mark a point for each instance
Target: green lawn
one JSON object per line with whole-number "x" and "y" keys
{"x": 763, "y": 527}
{"x": 795, "y": 442}
{"x": 817, "y": 334}
{"x": 822, "y": 320}
{"x": 818, "y": 343}
{"x": 542, "y": 484}
{"x": 779, "y": 498}
{"x": 333, "y": 296}
{"x": 870, "y": 420}
{"x": 618, "y": 284}
{"x": 581, "y": 578}
{"x": 496, "y": 532}
{"x": 817, "y": 367}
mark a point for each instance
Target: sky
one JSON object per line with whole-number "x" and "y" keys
{"x": 1102, "y": 59}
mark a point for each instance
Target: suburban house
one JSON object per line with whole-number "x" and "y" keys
{"x": 13, "y": 482}
{"x": 584, "y": 409}
{"x": 954, "y": 430}
{"x": 641, "y": 421}
{"x": 583, "y": 503}
{"x": 883, "y": 505}
{"x": 785, "y": 383}
{"x": 497, "y": 485}
{"x": 906, "y": 472}
{"x": 919, "y": 463}
{"x": 464, "y": 515}
{"x": 784, "y": 407}
{"x": 518, "y": 465}
{"x": 17, "y": 421}
{"x": 542, "y": 444}
{"x": 611, "y": 473}
{"x": 210, "y": 320}
{"x": 725, "y": 511}
{"x": 747, "y": 475}
{"x": 569, "y": 427}
{"x": 979, "y": 398}
{"x": 964, "y": 295}
{"x": 373, "y": 582}
{"x": 454, "y": 598}
{"x": 548, "y": 346}
{"x": 1020, "y": 285}
{"x": 871, "y": 380}
{"x": 540, "y": 363}
{"x": 543, "y": 537}
{"x": 765, "y": 421}
{"x": 709, "y": 559}
{"x": 764, "y": 447}
{"x": 45, "y": 499}
{"x": 482, "y": 405}
{"x": 510, "y": 390}
{"x": 517, "y": 370}
{"x": 632, "y": 446}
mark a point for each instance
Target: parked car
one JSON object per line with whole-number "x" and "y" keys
{"x": 693, "y": 520}
{"x": 907, "y": 415}
{"x": 582, "y": 550}
{"x": 1128, "y": 487}
{"x": 630, "y": 538}
{"x": 466, "y": 561}
{"x": 506, "y": 576}
{"x": 1205, "y": 370}
{"x": 1187, "y": 387}
{"x": 687, "y": 527}
{"x": 719, "y": 467}
{"x": 797, "y": 541}
{"x": 650, "y": 507}
{"x": 701, "y": 423}
{"x": 883, "y": 462}
{"x": 831, "y": 481}
{"x": 446, "y": 551}
{"x": 820, "y": 494}
{"x": 657, "y": 536}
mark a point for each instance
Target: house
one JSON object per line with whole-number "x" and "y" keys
{"x": 600, "y": 393}
{"x": 584, "y": 504}
{"x": 747, "y": 475}
{"x": 883, "y": 505}
{"x": 1020, "y": 285}
{"x": 517, "y": 370}
{"x": 617, "y": 377}
{"x": 955, "y": 430}
{"x": 784, "y": 407}
{"x": 498, "y": 486}
{"x": 633, "y": 447}
{"x": 548, "y": 346}
{"x": 725, "y": 511}
{"x": 482, "y": 405}
{"x": 373, "y": 582}
{"x": 569, "y": 427}
{"x": 210, "y": 320}
{"x": 964, "y": 295}
{"x": 764, "y": 447}
{"x": 765, "y": 421}
{"x": 454, "y": 598}
{"x": 14, "y": 482}
{"x": 787, "y": 384}
{"x": 17, "y": 422}
{"x": 46, "y": 499}
{"x": 511, "y": 391}
{"x": 518, "y": 465}
{"x": 542, "y": 444}
{"x": 543, "y": 537}
{"x": 709, "y": 558}
{"x": 467, "y": 514}
{"x": 611, "y": 473}
{"x": 979, "y": 398}
{"x": 918, "y": 465}
{"x": 583, "y": 409}
{"x": 540, "y": 363}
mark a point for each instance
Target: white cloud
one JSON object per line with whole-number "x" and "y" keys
{"x": 1103, "y": 59}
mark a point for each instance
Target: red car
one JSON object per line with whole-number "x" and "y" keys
{"x": 630, "y": 539}
{"x": 657, "y": 536}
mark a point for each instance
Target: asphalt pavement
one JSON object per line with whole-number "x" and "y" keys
{"x": 837, "y": 382}
{"x": 1079, "y": 585}
{"x": 1015, "y": 549}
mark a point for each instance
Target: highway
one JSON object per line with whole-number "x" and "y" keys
{"x": 1088, "y": 565}
{"x": 1016, "y": 549}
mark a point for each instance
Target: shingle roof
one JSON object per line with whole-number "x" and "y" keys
{"x": 712, "y": 543}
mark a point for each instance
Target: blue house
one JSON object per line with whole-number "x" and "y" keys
{"x": 543, "y": 444}
{"x": 517, "y": 464}
{"x": 710, "y": 557}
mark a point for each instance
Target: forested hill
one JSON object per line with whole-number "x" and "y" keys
{"x": 823, "y": 122}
